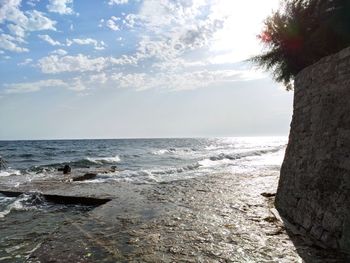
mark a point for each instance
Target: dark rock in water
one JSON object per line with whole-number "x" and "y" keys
{"x": 67, "y": 169}
{"x": 268, "y": 194}
{"x": 314, "y": 187}
{"x": 113, "y": 168}
{"x": 84, "y": 177}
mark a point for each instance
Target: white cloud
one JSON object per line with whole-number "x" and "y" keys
{"x": 63, "y": 7}
{"x": 60, "y": 52}
{"x": 33, "y": 3}
{"x": 182, "y": 80}
{"x": 74, "y": 84}
{"x": 21, "y": 23}
{"x": 54, "y": 64}
{"x": 37, "y": 21}
{"x": 17, "y": 30}
{"x": 10, "y": 43}
{"x": 117, "y": 2}
{"x": 77, "y": 85}
{"x": 100, "y": 78}
{"x": 25, "y": 62}
{"x": 98, "y": 45}
{"x": 49, "y": 40}
{"x": 28, "y": 87}
{"x": 111, "y": 24}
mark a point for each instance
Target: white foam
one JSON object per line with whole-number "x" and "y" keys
{"x": 161, "y": 152}
{"x": 99, "y": 160}
{"x": 16, "y": 205}
{"x": 9, "y": 172}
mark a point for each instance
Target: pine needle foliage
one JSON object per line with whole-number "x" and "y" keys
{"x": 300, "y": 33}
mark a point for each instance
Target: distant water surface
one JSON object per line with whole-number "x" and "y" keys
{"x": 145, "y": 160}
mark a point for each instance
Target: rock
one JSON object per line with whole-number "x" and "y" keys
{"x": 84, "y": 177}
{"x": 268, "y": 194}
{"x": 67, "y": 169}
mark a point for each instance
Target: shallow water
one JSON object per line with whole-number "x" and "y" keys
{"x": 28, "y": 220}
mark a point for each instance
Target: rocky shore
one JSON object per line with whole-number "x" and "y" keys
{"x": 216, "y": 218}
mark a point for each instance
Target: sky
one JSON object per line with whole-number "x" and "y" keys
{"x": 136, "y": 68}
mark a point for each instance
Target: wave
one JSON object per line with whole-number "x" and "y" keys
{"x": 164, "y": 151}
{"x": 173, "y": 151}
{"x": 9, "y": 172}
{"x": 177, "y": 170}
{"x": 104, "y": 160}
{"x": 82, "y": 163}
{"x": 33, "y": 201}
{"x": 23, "y": 203}
{"x": 231, "y": 157}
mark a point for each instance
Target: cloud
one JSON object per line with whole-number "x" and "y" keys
{"x": 37, "y": 21}
{"x": 63, "y": 7}
{"x": 17, "y": 30}
{"x": 60, "y": 52}
{"x": 74, "y": 84}
{"x": 49, "y": 40}
{"x": 54, "y": 64}
{"x": 98, "y": 78}
{"x": 25, "y": 62}
{"x": 182, "y": 80}
{"x": 21, "y": 23}
{"x": 117, "y": 2}
{"x": 77, "y": 85}
{"x": 28, "y": 87}
{"x": 59, "y": 63}
{"x": 10, "y": 43}
{"x": 98, "y": 45}
{"x": 112, "y": 24}
{"x": 33, "y": 3}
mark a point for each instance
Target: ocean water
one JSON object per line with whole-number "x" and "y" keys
{"x": 143, "y": 160}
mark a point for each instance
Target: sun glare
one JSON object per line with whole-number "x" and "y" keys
{"x": 237, "y": 40}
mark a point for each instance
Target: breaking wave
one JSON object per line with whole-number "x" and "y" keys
{"x": 173, "y": 151}
{"x": 9, "y": 172}
{"x": 104, "y": 160}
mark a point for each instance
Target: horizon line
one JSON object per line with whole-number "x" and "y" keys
{"x": 143, "y": 138}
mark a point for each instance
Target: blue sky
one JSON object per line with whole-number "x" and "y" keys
{"x": 142, "y": 68}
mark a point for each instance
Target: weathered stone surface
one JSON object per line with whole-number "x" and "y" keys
{"x": 314, "y": 187}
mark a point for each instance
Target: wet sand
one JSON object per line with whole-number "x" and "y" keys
{"x": 214, "y": 218}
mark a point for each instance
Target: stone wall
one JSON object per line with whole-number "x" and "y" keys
{"x": 314, "y": 187}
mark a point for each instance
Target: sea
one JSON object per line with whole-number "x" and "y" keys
{"x": 143, "y": 160}
{"x": 25, "y": 221}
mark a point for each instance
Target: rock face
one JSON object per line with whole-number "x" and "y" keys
{"x": 314, "y": 187}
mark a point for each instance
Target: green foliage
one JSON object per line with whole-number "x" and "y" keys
{"x": 300, "y": 33}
